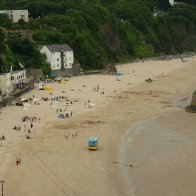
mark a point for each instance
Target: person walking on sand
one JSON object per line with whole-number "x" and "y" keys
{"x": 31, "y": 125}
{"x": 19, "y": 161}
{"x": 71, "y": 113}
{"x": 66, "y": 136}
{"x": 97, "y": 87}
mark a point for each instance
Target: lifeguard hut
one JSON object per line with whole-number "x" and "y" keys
{"x": 93, "y": 143}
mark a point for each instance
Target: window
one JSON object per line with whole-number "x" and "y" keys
{"x": 57, "y": 59}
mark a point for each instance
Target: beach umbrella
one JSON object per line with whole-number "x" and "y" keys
{"x": 119, "y": 76}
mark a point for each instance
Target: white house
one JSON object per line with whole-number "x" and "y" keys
{"x": 58, "y": 56}
{"x": 16, "y": 15}
{"x": 11, "y": 81}
{"x": 18, "y": 79}
{"x": 171, "y": 2}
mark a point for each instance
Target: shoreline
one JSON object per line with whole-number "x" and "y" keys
{"x": 168, "y": 57}
{"x": 108, "y": 124}
{"x": 131, "y": 151}
{"x": 152, "y": 161}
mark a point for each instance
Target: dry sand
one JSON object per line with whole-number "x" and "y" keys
{"x": 146, "y": 144}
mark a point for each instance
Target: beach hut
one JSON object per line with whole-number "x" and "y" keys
{"x": 39, "y": 84}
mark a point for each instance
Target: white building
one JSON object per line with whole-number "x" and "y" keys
{"x": 16, "y": 15}
{"x": 5, "y": 83}
{"x": 58, "y": 56}
{"x": 11, "y": 81}
{"x": 18, "y": 79}
{"x": 171, "y": 2}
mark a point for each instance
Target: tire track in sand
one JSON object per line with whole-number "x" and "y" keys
{"x": 48, "y": 172}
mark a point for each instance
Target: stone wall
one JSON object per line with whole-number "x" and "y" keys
{"x": 193, "y": 101}
{"x": 75, "y": 70}
{"x": 3, "y": 103}
{"x": 192, "y": 106}
{"x": 18, "y": 93}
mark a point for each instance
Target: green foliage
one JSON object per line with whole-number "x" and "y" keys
{"x": 5, "y": 22}
{"x": 143, "y": 51}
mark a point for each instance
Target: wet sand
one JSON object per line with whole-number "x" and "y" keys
{"x": 161, "y": 152}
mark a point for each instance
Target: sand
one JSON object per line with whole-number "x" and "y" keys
{"x": 146, "y": 143}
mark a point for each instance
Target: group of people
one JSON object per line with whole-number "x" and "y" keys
{"x": 30, "y": 119}
{"x": 17, "y": 128}
{"x": 74, "y": 135}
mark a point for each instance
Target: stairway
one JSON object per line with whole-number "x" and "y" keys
{"x": 9, "y": 100}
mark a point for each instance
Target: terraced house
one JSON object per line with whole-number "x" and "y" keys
{"x": 60, "y": 57}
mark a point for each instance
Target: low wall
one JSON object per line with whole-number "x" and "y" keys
{"x": 75, "y": 70}
{"x": 3, "y": 103}
{"x": 192, "y": 106}
{"x": 8, "y": 100}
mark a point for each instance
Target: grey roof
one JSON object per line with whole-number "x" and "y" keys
{"x": 58, "y": 47}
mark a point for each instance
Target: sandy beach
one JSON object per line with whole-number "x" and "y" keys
{"x": 146, "y": 144}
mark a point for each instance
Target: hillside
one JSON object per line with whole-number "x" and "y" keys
{"x": 99, "y": 31}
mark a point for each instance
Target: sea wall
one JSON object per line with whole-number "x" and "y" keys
{"x": 192, "y": 106}
{"x": 75, "y": 70}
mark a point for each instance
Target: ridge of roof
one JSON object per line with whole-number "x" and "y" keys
{"x": 58, "y": 47}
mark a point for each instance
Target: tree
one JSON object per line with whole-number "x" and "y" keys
{"x": 2, "y": 48}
